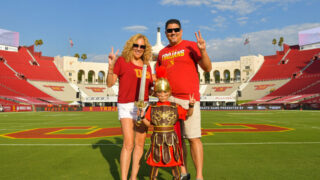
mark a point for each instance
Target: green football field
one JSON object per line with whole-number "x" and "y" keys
{"x": 240, "y": 145}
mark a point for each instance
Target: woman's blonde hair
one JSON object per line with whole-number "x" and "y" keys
{"x": 127, "y": 50}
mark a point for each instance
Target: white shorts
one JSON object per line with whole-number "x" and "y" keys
{"x": 127, "y": 110}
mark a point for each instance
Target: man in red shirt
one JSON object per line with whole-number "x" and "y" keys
{"x": 181, "y": 59}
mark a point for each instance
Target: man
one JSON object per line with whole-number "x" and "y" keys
{"x": 181, "y": 59}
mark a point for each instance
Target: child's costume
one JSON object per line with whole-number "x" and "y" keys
{"x": 165, "y": 150}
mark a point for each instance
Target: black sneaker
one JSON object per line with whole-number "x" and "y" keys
{"x": 185, "y": 177}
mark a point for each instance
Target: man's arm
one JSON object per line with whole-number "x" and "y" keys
{"x": 205, "y": 62}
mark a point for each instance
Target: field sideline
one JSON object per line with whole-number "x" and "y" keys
{"x": 86, "y": 145}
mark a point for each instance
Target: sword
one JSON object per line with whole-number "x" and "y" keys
{"x": 140, "y": 103}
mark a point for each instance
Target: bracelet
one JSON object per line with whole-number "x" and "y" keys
{"x": 191, "y": 105}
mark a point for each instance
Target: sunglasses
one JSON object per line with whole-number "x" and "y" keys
{"x": 137, "y": 46}
{"x": 174, "y": 29}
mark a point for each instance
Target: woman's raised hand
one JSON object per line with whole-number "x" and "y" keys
{"x": 112, "y": 57}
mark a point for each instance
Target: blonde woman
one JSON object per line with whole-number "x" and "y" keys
{"x": 128, "y": 69}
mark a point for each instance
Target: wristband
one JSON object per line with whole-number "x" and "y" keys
{"x": 191, "y": 105}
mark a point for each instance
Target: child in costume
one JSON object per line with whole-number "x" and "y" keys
{"x": 165, "y": 150}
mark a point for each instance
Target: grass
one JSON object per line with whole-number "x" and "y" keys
{"x": 292, "y": 154}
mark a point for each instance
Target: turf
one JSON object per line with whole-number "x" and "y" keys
{"x": 292, "y": 154}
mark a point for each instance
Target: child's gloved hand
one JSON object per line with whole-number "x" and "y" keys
{"x": 192, "y": 100}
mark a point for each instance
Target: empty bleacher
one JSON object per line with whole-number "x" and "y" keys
{"x": 16, "y": 87}
{"x": 284, "y": 65}
{"x": 256, "y": 90}
{"x": 33, "y": 66}
{"x": 299, "y": 67}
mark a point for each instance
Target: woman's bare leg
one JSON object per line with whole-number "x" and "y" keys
{"x": 127, "y": 127}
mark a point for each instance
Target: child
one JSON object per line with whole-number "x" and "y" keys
{"x": 165, "y": 150}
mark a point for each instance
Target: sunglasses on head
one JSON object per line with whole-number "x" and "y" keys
{"x": 174, "y": 29}
{"x": 137, "y": 46}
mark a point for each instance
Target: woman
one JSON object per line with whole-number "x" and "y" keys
{"x": 128, "y": 69}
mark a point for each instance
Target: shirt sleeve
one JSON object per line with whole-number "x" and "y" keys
{"x": 117, "y": 67}
{"x": 182, "y": 112}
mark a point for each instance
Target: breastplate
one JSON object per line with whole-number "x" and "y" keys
{"x": 164, "y": 115}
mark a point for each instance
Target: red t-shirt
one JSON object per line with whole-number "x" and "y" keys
{"x": 129, "y": 76}
{"x": 181, "y": 63}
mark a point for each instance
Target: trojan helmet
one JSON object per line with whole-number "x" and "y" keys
{"x": 162, "y": 83}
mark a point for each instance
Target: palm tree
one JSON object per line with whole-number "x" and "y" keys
{"x": 76, "y": 55}
{"x": 274, "y": 42}
{"x": 280, "y": 43}
{"x": 38, "y": 43}
{"x": 84, "y": 57}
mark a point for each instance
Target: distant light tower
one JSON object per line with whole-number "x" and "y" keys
{"x": 157, "y": 47}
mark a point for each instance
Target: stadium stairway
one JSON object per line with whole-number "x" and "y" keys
{"x": 97, "y": 90}
{"x": 224, "y": 89}
{"x": 58, "y": 90}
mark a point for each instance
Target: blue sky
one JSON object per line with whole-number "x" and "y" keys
{"x": 97, "y": 25}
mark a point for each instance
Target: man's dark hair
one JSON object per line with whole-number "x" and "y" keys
{"x": 173, "y": 21}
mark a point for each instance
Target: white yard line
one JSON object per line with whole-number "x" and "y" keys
{"x": 205, "y": 144}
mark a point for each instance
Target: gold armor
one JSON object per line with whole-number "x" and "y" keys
{"x": 162, "y": 84}
{"x": 163, "y": 119}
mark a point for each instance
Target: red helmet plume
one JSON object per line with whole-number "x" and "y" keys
{"x": 161, "y": 72}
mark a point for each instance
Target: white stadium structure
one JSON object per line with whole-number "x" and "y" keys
{"x": 288, "y": 77}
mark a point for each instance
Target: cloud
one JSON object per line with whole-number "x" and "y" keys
{"x": 98, "y": 58}
{"x": 220, "y": 21}
{"x": 214, "y": 11}
{"x": 208, "y": 28}
{"x": 185, "y": 21}
{"x": 241, "y": 7}
{"x": 136, "y": 28}
{"x": 232, "y": 48}
{"x": 263, "y": 20}
{"x": 185, "y": 2}
{"x": 242, "y": 20}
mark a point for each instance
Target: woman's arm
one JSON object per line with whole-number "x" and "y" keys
{"x": 111, "y": 77}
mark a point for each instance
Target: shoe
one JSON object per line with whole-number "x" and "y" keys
{"x": 185, "y": 177}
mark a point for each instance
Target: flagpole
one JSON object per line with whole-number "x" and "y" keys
{"x": 71, "y": 45}
{"x": 247, "y": 42}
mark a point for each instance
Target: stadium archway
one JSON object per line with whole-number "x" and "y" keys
{"x": 226, "y": 76}
{"x": 216, "y": 75}
{"x": 91, "y": 77}
{"x": 81, "y": 76}
{"x": 237, "y": 75}
{"x": 206, "y": 77}
{"x": 101, "y": 77}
